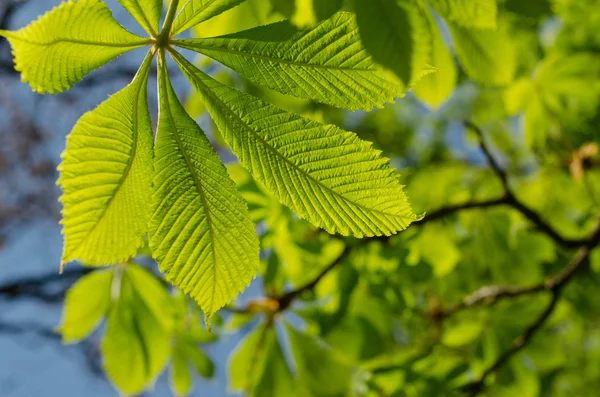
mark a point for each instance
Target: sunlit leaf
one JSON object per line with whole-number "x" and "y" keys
{"x": 65, "y": 44}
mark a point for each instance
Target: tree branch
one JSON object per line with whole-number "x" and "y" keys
{"x": 490, "y": 295}
{"x": 40, "y": 287}
{"x": 516, "y": 346}
{"x": 286, "y": 299}
{"x": 507, "y": 199}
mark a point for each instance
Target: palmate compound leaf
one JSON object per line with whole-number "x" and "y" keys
{"x": 146, "y": 13}
{"x": 65, "y": 44}
{"x": 325, "y": 174}
{"x": 326, "y": 63}
{"x": 106, "y": 177}
{"x": 200, "y": 231}
{"x": 194, "y": 12}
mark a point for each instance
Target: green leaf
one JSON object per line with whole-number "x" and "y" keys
{"x": 487, "y": 56}
{"x": 435, "y": 88}
{"x": 443, "y": 256}
{"x": 65, "y": 44}
{"x": 249, "y": 14}
{"x": 480, "y": 14}
{"x": 396, "y": 34}
{"x": 200, "y": 232}
{"x": 154, "y": 294}
{"x": 318, "y": 370}
{"x": 246, "y": 362}
{"x": 324, "y": 9}
{"x": 181, "y": 376}
{"x": 86, "y": 303}
{"x": 203, "y": 365}
{"x": 276, "y": 378}
{"x": 325, "y": 174}
{"x": 106, "y": 177}
{"x": 146, "y": 13}
{"x": 258, "y": 367}
{"x": 326, "y": 63}
{"x": 564, "y": 90}
{"x": 310, "y": 12}
{"x": 136, "y": 347}
{"x": 198, "y": 11}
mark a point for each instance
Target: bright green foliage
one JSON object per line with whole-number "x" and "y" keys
{"x": 336, "y": 71}
{"x": 86, "y": 304}
{"x": 307, "y": 12}
{"x": 258, "y": 367}
{"x": 299, "y": 161}
{"x": 469, "y": 13}
{"x": 146, "y": 13}
{"x": 194, "y": 12}
{"x": 435, "y": 88}
{"x": 486, "y": 55}
{"x": 136, "y": 345}
{"x": 318, "y": 371}
{"x": 560, "y": 91}
{"x": 371, "y": 322}
{"x": 67, "y": 43}
{"x": 397, "y": 35}
{"x": 106, "y": 178}
{"x": 200, "y": 226}
{"x": 180, "y": 374}
{"x": 186, "y": 355}
{"x": 249, "y": 14}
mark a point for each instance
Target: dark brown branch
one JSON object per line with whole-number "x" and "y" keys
{"x": 498, "y": 170}
{"x": 41, "y": 287}
{"x": 7, "y": 328}
{"x": 510, "y": 199}
{"x": 491, "y": 295}
{"x": 516, "y": 346}
{"x": 286, "y": 299}
{"x": 454, "y": 208}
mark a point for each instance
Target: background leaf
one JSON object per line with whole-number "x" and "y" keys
{"x": 396, "y": 34}
{"x": 86, "y": 304}
{"x": 194, "y": 12}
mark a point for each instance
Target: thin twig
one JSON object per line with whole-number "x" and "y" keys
{"x": 38, "y": 287}
{"x": 498, "y": 170}
{"x": 516, "y": 346}
{"x": 554, "y": 285}
{"x": 492, "y": 294}
{"x": 286, "y": 299}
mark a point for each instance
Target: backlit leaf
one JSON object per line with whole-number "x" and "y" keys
{"x": 325, "y": 174}
{"x": 65, "y": 44}
{"x": 200, "y": 232}
{"x": 106, "y": 177}
{"x": 326, "y": 63}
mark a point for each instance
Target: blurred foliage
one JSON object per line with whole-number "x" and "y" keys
{"x": 529, "y": 75}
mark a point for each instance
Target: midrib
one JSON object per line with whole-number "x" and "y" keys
{"x": 270, "y": 148}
